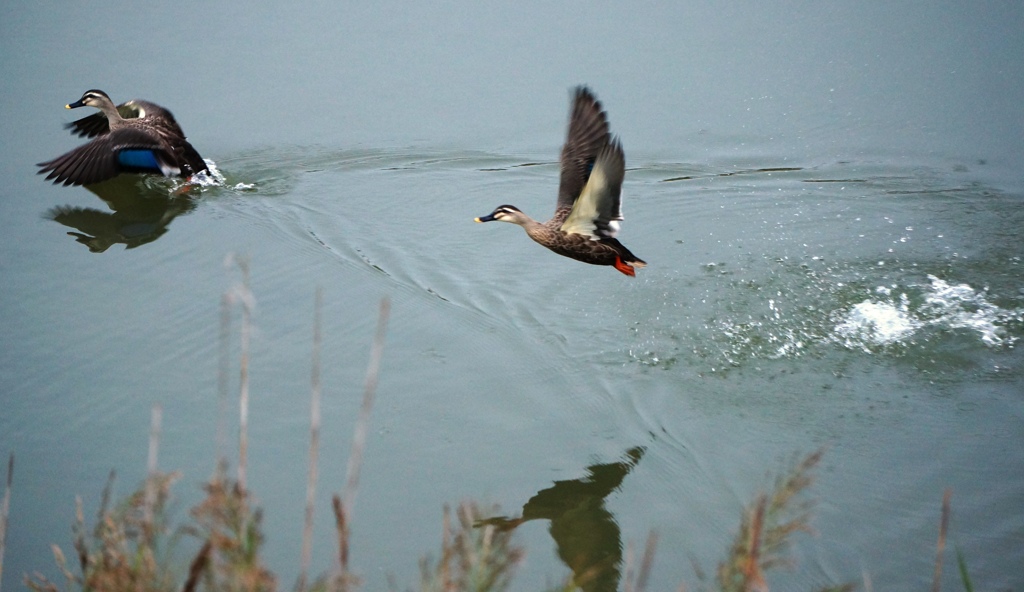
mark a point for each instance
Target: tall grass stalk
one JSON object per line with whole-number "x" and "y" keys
{"x": 154, "y": 445}
{"x": 355, "y": 459}
{"x": 314, "y": 443}
{"x": 5, "y": 507}
{"x": 940, "y": 546}
{"x": 344, "y": 503}
{"x": 243, "y": 295}
{"x": 965, "y": 577}
{"x": 223, "y": 369}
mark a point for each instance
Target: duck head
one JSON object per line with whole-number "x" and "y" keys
{"x": 91, "y": 98}
{"x": 505, "y": 213}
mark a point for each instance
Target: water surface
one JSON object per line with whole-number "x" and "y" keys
{"x": 829, "y": 200}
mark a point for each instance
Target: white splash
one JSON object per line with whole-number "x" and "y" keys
{"x": 874, "y": 323}
{"x": 962, "y": 307}
{"x": 212, "y": 177}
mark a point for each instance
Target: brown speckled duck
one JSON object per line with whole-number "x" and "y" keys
{"x": 133, "y": 137}
{"x": 589, "y": 206}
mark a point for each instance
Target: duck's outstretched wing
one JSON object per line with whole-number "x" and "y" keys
{"x": 121, "y": 151}
{"x": 89, "y": 126}
{"x": 598, "y": 210}
{"x": 588, "y": 133}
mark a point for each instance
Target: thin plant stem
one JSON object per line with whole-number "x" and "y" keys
{"x": 314, "y": 443}
{"x": 154, "y": 445}
{"x": 197, "y": 567}
{"x": 223, "y": 366}
{"x": 355, "y": 459}
{"x": 341, "y": 526}
{"x": 646, "y": 562}
{"x": 5, "y": 507}
{"x": 243, "y": 398}
{"x": 636, "y": 578}
{"x": 941, "y": 545}
{"x": 343, "y": 503}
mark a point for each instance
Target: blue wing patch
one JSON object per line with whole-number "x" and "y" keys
{"x": 139, "y": 159}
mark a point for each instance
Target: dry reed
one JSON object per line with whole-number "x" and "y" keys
{"x": 636, "y": 580}
{"x": 223, "y": 368}
{"x": 150, "y": 485}
{"x": 126, "y": 548}
{"x": 342, "y": 504}
{"x": 314, "y": 445}
{"x": 476, "y": 556}
{"x": 243, "y": 295}
{"x": 767, "y": 528}
{"x": 5, "y": 508}
{"x": 940, "y": 546}
{"x": 355, "y": 459}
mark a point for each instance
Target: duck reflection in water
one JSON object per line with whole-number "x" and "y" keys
{"x": 588, "y": 538}
{"x": 138, "y": 215}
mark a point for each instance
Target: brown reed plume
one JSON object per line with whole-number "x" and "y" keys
{"x": 475, "y": 556}
{"x": 232, "y": 537}
{"x": 767, "y": 528}
{"x": 124, "y": 551}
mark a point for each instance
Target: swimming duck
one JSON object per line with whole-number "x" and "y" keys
{"x": 589, "y": 206}
{"x": 133, "y": 137}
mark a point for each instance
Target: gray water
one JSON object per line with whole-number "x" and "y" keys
{"x": 829, "y": 199}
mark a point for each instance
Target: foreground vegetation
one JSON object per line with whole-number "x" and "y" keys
{"x": 132, "y": 545}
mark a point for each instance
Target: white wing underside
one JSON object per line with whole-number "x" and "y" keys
{"x": 597, "y": 211}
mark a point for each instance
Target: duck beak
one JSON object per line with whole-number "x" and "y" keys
{"x": 75, "y": 105}
{"x": 487, "y": 218}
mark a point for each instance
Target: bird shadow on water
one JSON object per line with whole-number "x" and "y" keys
{"x": 586, "y": 534}
{"x": 139, "y": 207}
{"x": 137, "y": 214}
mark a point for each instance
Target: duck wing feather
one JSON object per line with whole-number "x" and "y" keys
{"x": 588, "y": 133}
{"x": 598, "y": 210}
{"x": 99, "y": 160}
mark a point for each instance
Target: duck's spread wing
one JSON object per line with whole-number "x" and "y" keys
{"x": 588, "y": 133}
{"x": 126, "y": 149}
{"x": 89, "y": 126}
{"x": 598, "y": 210}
